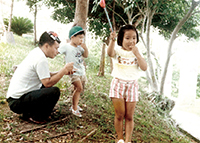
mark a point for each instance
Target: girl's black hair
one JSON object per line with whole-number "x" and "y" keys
{"x": 122, "y": 30}
{"x": 45, "y": 38}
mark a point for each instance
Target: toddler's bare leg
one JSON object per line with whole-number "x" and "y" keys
{"x": 78, "y": 88}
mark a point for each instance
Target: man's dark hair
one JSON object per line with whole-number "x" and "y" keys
{"x": 122, "y": 30}
{"x": 45, "y": 38}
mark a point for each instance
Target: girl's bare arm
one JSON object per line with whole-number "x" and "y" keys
{"x": 111, "y": 45}
{"x": 141, "y": 61}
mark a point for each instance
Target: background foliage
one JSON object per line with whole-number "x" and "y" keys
{"x": 165, "y": 19}
{"x": 20, "y": 25}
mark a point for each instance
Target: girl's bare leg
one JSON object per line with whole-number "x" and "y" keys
{"x": 129, "y": 122}
{"x": 119, "y": 116}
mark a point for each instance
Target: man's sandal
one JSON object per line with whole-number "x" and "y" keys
{"x": 37, "y": 122}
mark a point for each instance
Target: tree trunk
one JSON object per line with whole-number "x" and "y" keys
{"x": 81, "y": 12}
{"x": 8, "y": 35}
{"x": 102, "y": 62}
{"x": 138, "y": 21}
{"x": 35, "y": 30}
{"x": 154, "y": 85}
{"x": 173, "y": 37}
{"x": 11, "y": 13}
{"x": 146, "y": 25}
{"x": 2, "y": 23}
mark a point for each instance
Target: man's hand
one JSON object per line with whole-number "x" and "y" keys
{"x": 69, "y": 68}
{"x": 55, "y": 77}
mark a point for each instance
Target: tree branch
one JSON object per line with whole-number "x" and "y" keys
{"x": 42, "y": 126}
{"x": 195, "y": 12}
{"x": 135, "y": 16}
{"x": 90, "y": 134}
{"x": 117, "y": 14}
{"x": 139, "y": 9}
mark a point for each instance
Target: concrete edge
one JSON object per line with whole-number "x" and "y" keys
{"x": 188, "y": 134}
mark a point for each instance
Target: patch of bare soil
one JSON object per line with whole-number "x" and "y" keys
{"x": 62, "y": 127}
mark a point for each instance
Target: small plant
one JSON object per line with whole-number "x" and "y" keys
{"x": 175, "y": 82}
{"x": 20, "y": 25}
{"x": 198, "y": 86}
{"x": 163, "y": 104}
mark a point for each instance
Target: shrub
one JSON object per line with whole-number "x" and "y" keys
{"x": 175, "y": 82}
{"x": 198, "y": 86}
{"x": 20, "y": 25}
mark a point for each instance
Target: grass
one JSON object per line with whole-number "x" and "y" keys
{"x": 98, "y": 114}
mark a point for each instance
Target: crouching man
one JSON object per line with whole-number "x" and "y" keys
{"x": 31, "y": 92}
